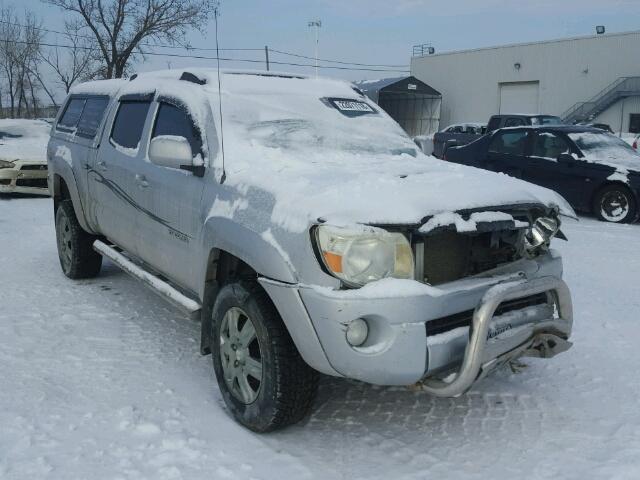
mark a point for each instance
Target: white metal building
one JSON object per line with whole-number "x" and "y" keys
{"x": 594, "y": 79}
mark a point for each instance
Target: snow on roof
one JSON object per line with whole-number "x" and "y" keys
{"x": 99, "y": 87}
{"x": 368, "y": 85}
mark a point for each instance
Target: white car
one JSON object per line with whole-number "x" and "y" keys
{"x": 23, "y": 162}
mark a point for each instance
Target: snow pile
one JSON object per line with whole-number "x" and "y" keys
{"x": 24, "y": 139}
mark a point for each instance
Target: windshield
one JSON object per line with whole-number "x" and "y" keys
{"x": 304, "y": 121}
{"x": 546, "y": 120}
{"x": 603, "y": 146}
{"x": 353, "y": 136}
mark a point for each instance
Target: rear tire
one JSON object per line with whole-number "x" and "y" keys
{"x": 75, "y": 246}
{"x": 249, "y": 340}
{"x": 616, "y": 204}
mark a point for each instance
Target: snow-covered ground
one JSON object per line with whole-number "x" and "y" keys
{"x": 101, "y": 379}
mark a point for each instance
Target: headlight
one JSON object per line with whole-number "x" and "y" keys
{"x": 540, "y": 233}
{"x": 361, "y": 256}
{"x": 6, "y": 164}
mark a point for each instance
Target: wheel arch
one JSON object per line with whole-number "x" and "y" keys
{"x": 64, "y": 188}
{"x": 610, "y": 183}
{"x": 249, "y": 257}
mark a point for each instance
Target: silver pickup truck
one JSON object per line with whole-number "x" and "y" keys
{"x": 304, "y": 229}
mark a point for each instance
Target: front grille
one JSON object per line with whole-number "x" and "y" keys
{"x": 32, "y": 182}
{"x": 464, "y": 319}
{"x": 39, "y": 168}
{"x": 448, "y": 255}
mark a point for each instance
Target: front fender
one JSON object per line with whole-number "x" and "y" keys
{"x": 261, "y": 251}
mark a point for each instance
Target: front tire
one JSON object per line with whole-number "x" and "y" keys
{"x": 75, "y": 246}
{"x": 264, "y": 381}
{"x": 615, "y": 203}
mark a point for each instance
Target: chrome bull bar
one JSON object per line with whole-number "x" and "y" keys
{"x": 546, "y": 340}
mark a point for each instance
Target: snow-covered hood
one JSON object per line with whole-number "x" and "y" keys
{"x": 320, "y": 163}
{"x": 608, "y": 150}
{"x": 401, "y": 191}
{"x": 622, "y": 163}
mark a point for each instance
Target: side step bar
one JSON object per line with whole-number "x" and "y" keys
{"x": 161, "y": 287}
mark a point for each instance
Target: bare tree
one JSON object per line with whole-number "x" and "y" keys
{"x": 76, "y": 61}
{"x": 20, "y": 39}
{"x": 122, "y": 28}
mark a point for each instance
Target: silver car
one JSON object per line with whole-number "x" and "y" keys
{"x": 309, "y": 235}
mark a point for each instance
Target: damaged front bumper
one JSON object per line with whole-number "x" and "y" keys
{"x": 481, "y": 323}
{"x": 24, "y": 177}
{"x": 544, "y": 338}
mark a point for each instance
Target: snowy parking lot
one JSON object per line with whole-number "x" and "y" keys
{"x": 101, "y": 379}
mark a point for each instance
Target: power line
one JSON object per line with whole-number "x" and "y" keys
{"x": 334, "y": 61}
{"x": 204, "y": 49}
{"x": 145, "y": 44}
{"x": 203, "y": 57}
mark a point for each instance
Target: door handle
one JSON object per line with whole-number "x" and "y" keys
{"x": 141, "y": 180}
{"x": 102, "y": 166}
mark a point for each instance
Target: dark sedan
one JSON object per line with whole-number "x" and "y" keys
{"x": 595, "y": 171}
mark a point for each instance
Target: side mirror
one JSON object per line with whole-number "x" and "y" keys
{"x": 565, "y": 158}
{"x": 173, "y": 152}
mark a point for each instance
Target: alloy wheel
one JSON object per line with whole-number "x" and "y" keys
{"x": 240, "y": 354}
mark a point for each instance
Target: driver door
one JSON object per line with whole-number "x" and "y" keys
{"x": 551, "y": 165}
{"x": 173, "y": 201}
{"x": 506, "y": 152}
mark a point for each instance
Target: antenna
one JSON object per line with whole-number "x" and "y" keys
{"x": 224, "y": 173}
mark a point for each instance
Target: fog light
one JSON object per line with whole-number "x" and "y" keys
{"x": 357, "y": 332}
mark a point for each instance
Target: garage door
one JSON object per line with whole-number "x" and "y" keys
{"x": 519, "y": 97}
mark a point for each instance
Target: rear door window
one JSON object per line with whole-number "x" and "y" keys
{"x": 509, "y": 143}
{"x": 91, "y": 117}
{"x": 129, "y": 123}
{"x": 172, "y": 120}
{"x": 549, "y": 145}
{"x": 71, "y": 114}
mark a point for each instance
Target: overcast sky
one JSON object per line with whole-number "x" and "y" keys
{"x": 383, "y": 31}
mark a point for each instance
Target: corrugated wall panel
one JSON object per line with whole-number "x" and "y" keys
{"x": 569, "y": 71}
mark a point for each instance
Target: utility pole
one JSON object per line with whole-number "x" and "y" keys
{"x": 317, "y": 24}
{"x": 266, "y": 56}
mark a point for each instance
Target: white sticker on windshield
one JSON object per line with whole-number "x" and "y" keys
{"x": 351, "y": 107}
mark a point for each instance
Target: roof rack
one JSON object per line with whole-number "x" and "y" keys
{"x": 186, "y": 76}
{"x": 267, "y": 74}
